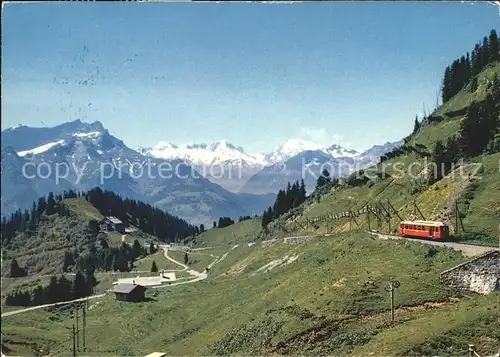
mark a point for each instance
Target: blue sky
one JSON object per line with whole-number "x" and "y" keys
{"x": 253, "y": 74}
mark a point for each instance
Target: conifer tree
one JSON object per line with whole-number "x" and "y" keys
{"x": 15, "y": 270}
{"x": 51, "y": 203}
{"x": 154, "y": 268}
{"x": 494, "y": 46}
{"x": 303, "y": 192}
{"x": 79, "y": 286}
{"x": 416, "y": 125}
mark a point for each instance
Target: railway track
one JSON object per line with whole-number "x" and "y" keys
{"x": 467, "y": 249}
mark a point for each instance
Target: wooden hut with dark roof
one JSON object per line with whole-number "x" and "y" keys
{"x": 129, "y": 292}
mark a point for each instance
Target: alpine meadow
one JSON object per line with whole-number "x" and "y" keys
{"x": 252, "y": 179}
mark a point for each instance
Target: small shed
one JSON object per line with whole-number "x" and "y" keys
{"x": 129, "y": 292}
{"x": 112, "y": 224}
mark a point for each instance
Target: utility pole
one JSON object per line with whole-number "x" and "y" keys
{"x": 393, "y": 285}
{"x": 74, "y": 348}
{"x": 418, "y": 209}
{"x": 77, "y": 332}
{"x": 368, "y": 218}
{"x": 84, "y": 323}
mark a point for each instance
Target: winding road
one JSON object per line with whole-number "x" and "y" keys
{"x": 197, "y": 276}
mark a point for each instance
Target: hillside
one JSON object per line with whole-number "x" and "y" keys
{"x": 323, "y": 302}
{"x": 61, "y": 233}
{"x": 327, "y": 295}
{"x": 474, "y": 185}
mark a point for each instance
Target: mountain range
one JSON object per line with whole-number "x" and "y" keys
{"x": 240, "y": 172}
{"x": 210, "y": 181}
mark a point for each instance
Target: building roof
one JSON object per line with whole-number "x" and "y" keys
{"x": 126, "y": 288}
{"x": 425, "y": 223}
{"x": 113, "y": 220}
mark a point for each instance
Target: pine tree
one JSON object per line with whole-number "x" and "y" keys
{"x": 265, "y": 219}
{"x": 186, "y": 258}
{"x": 485, "y": 52}
{"x": 154, "y": 268}
{"x": 51, "y": 291}
{"x": 323, "y": 179}
{"x": 494, "y": 46}
{"x": 152, "y": 249}
{"x": 79, "y": 286}
{"x": 475, "y": 61}
{"x": 303, "y": 192}
{"x": 38, "y": 297}
{"x": 470, "y": 131}
{"x": 51, "y": 203}
{"x": 136, "y": 249}
{"x": 446, "y": 92}
{"x": 439, "y": 158}
{"x": 41, "y": 207}
{"x": 33, "y": 217}
{"x": 416, "y": 125}
{"x": 64, "y": 289}
{"x": 202, "y": 228}
{"x": 90, "y": 280}
{"x": 15, "y": 270}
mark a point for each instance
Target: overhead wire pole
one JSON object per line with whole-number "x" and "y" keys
{"x": 74, "y": 346}
{"x": 77, "y": 332}
{"x": 394, "y": 210}
{"x": 84, "y": 324}
{"x": 368, "y": 219}
{"x": 419, "y": 211}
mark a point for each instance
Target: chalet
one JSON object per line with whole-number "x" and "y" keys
{"x": 129, "y": 292}
{"x": 109, "y": 224}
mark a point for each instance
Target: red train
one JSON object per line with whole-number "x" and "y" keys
{"x": 424, "y": 229}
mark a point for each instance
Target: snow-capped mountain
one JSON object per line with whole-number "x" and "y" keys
{"x": 217, "y": 153}
{"x": 230, "y": 166}
{"x": 294, "y": 147}
{"x": 221, "y": 162}
{"x": 308, "y": 165}
{"x": 87, "y": 155}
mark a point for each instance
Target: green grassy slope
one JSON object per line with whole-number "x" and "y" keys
{"x": 83, "y": 208}
{"x": 330, "y": 300}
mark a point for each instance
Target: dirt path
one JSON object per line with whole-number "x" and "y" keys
{"x": 197, "y": 276}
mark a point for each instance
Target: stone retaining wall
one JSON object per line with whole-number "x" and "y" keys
{"x": 297, "y": 240}
{"x": 481, "y": 274}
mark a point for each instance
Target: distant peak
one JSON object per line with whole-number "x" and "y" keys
{"x": 224, "y": 145}
{"x": 16, "y": 127}
{"x": 164, "y": 145}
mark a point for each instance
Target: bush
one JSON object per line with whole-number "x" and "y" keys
{"x": 431, "y": 252}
